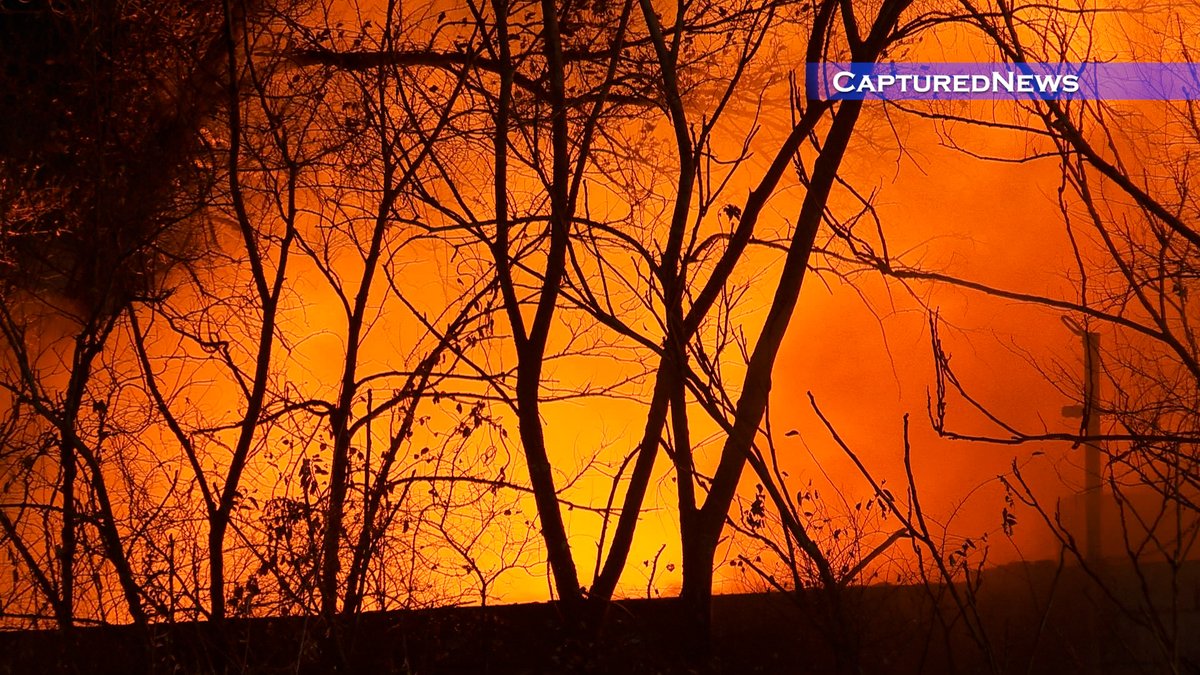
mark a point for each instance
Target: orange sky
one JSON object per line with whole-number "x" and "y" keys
{"x": 863, "y": 352}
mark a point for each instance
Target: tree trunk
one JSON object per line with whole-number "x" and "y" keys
{"x": 216, "y": 565}
{"x": 702, "y": 532}
{"x": 66, "y": 554}
{"x": 699, "y": 553}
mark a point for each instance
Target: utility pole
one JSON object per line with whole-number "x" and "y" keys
{"x": 1090, "y": 411}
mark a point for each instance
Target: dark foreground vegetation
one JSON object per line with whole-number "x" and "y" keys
{"x": 1037, "y": 618}
{"x": 312, "y": 309}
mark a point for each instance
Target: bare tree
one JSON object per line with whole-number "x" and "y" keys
{"x": 96, "y": 212}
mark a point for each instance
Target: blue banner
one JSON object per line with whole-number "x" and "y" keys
{"x": 1006, "y": 81}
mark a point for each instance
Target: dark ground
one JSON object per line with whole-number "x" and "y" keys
{"x": 1033, "y": 625}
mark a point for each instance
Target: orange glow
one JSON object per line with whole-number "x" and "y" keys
{"x": 461, "y": 526}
